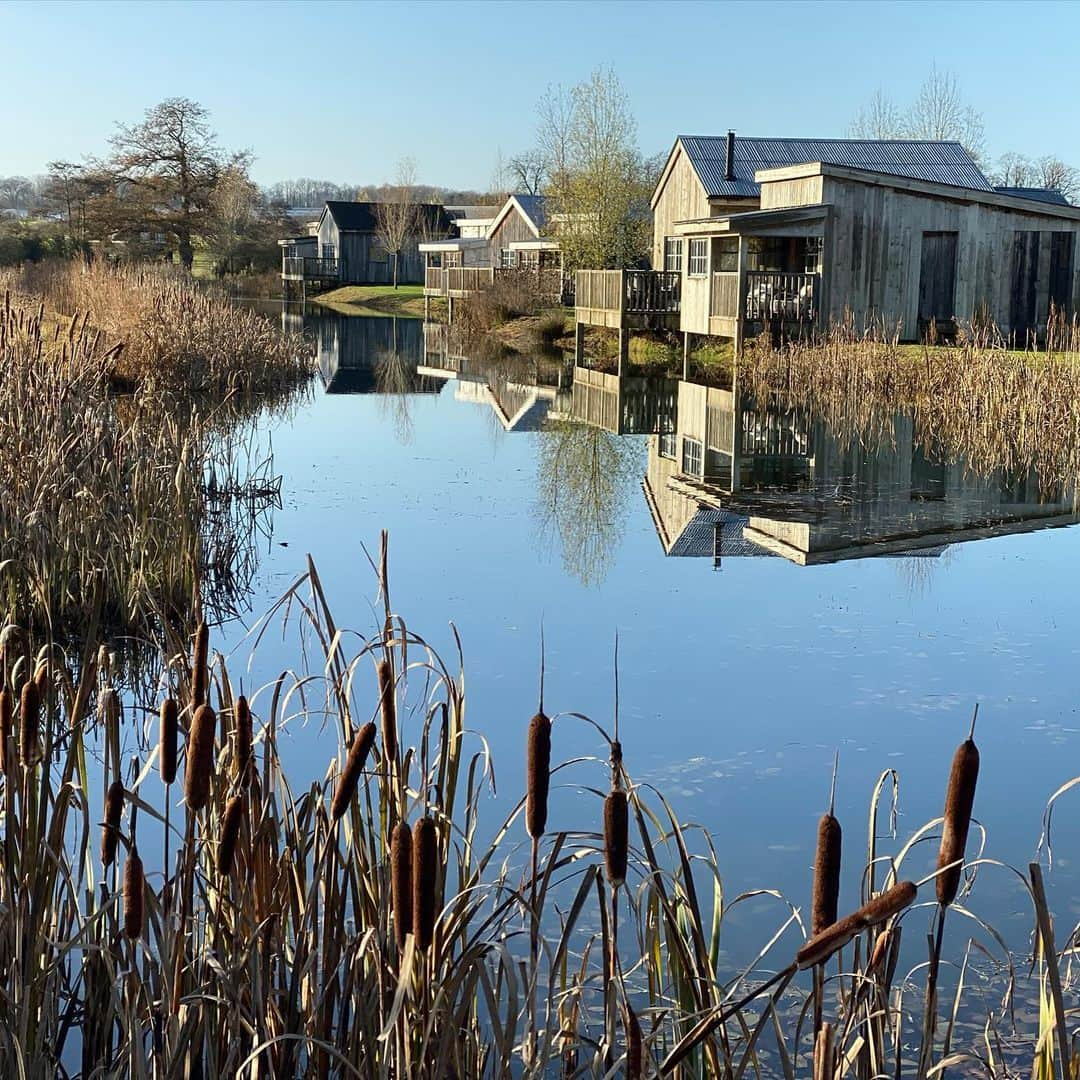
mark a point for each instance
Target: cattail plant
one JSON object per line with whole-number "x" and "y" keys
{"x": 616, "y": 832}
{"x": 7, "y": 714}
{"x": 200, "y": 674}
{"x": 110, "y": 831}
{"x": 880, "y": 909}
{"x": 827, "y": 867}
{"x": 134, "y": 886}
{"x": 200, "y": 757}
{"x": 959, "y": 801}
{"x": 29, "y": 722}
{"x": 425, "y": 868}
{"x": 354, "y": 766}
{"x": 243, "y": 739}
{"x": 168, "y": 740}
{"x": 538, "y": 775}
{"x": 230, "y": 832}
{"x": 635, "y": 1055}
{"x": 401, "y": 897}
{"x": 388, "y": 708}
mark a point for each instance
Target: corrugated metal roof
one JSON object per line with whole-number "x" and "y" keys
{"x": 1044, "y": 195}
{"x": 938, "y": 162}
{"x": 698, "y": 539}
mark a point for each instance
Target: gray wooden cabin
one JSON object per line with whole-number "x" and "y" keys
{"x": 348, "y": 251}
{"x": 794, "y": 234}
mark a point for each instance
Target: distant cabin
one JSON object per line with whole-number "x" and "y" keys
{"x": 346, "y": 250}
{"x": 752, "y": 234}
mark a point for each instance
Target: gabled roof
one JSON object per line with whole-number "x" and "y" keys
{"x": 937, "y": 162}
{"x": 361, "y": 216}
{"x": 479, "y": 213}
{"x": 1044, "y": 195}
{"x": 531, "y": 207}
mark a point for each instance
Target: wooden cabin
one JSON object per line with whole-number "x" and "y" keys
{"x": 346, "y": 249}
{"x": 792, "y": 235}
{"x": 518, "y": 237}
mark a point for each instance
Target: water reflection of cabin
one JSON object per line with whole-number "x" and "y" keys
{"x": 792, "y": 234}
{"x": 372, "y": 356}
{"x": 774, "y": 480}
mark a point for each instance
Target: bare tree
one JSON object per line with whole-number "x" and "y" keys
{"x": 1016, "y": 170}
{"x": 528, "y": 172}
{"x": 396, "y": 214}
{"x": 15, "y": 192}
{"x": 938, "y": 113}
{"x": 171, "y": 162}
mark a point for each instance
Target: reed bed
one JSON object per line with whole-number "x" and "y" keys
{"x": 374, "y": 924}
{"x": 168, "y": 331}
{"x": 118, "y": 510}
{"x": 978, "y": 399}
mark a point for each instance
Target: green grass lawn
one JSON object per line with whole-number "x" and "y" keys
{"x": 375, "y": 300}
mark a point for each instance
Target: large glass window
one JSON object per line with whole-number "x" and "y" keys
{"x": 727, "y": 255}
{"x": 698, "y": 264}
{"x": 673, "y": 255}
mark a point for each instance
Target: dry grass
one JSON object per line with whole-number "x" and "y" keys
{"x": 277, "y": 938}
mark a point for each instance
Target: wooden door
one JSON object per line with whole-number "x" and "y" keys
{"x": 937, "y": 280}
{"x": 1062, "y": 246}
{"x": 1022, "y": 292}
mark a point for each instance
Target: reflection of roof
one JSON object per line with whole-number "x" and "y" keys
{"x": 1038, "y": 194}
{"x": 937, "y": 162}
{"x": 698, "y": 539}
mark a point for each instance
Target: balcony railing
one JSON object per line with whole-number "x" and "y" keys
{"x": 788, "y": 297}
{"x": 298, "y": 268}
{"x": 435, "y": 281}
{"x": 636, "y": 292}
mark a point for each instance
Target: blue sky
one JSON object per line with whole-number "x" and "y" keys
{"x": 340, "y": 91}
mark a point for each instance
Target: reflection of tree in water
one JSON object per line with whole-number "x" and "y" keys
{"x": 585, "y": 483}
{"x": 394, "y": 376}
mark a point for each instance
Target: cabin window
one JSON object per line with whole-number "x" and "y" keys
{"x": 727, "y": 255}
{"x": 698, "y": 264}
{"x": 767, "y": 253}
{"x": 812, "y": 254}
{"x": 667, "y": 445}
{"x": 673, "y": 255}
{"x": 691, "y": 457}
{"x": 434, "y": 260}
{"x": 328, "y": 251}
{"x": 506, "y": 258}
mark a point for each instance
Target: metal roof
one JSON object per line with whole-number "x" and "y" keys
{"x": 1043, "y": 195}
{"x": 360, "y": 216}
{"x": 481, "y": 213}
{"x": 702, "y": 530}
{"x": 937, "y": 162}
{"x": 535, "y": 207}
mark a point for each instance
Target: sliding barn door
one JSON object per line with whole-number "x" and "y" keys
{"x": 937, "y": 280}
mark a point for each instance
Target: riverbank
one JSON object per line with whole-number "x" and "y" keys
{"x": 405, "y": 300}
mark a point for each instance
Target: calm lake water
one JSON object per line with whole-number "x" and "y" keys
{"x": 811, "y": 597}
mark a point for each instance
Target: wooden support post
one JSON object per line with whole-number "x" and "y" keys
{"x": 450, "y": 310}
{"x": 427, "y": 308}
{"x": 686, "y": 354}
{"x": 579, "y": 344}
{"x": 624, "y": 350}
{"x": 740, "y": 302}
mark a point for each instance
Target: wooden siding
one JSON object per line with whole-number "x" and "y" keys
{"x": 512, "y": 229}
{"x": 362, "y": 260}
{"x": 873, "y": 254}
{"x": 682, "y": 198}
{"x": 805, "y": 191}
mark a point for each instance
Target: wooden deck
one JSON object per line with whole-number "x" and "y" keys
{"x": 627, "y": 299}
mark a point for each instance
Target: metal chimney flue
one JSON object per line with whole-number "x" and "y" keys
{"x": 729, "y": 161}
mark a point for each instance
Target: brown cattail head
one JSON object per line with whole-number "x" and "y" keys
{"x": 167, "y": 745}
{"x": 200, "y": 757}
{"x": 354, "y": 766}
{"x": 110, "y": 831}
{"x": 200, "y": 675}
{"x": 959, "y": 800}
{"x": 826, "y": 873}
{"x": 424, "y": 876}
{"x": 230, "y": 831}
{"x": 243, "y": 739}
{"x": 881, "y": 947}
{"x": 29, "y": 722}
{"x": 388, "y": 708}
{"x": 616, "y": 821}
{"x": 401, "y": 881}
{"x": 7, "y": 715}
{"x": 635, "y": 1058}
{"x": 538, "y": 775}
{"x": 134, "y": 883}
{"x": 109, "y": 708}
{"x": 891, "y": 902}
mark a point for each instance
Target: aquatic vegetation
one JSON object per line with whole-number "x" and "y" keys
{"x": 375, "y": 923}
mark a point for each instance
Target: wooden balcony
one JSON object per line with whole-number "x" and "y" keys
{"x": 627, "y": 298}
{"x": 304, "y": 268}
{"x": 434, "y": 281}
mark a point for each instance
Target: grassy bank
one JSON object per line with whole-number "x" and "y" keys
{"x": 405, "y": 300}
{"x": 363, "y": 925}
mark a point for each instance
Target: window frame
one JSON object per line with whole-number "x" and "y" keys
{"x": 673, "y": 254}
{"x": 700, "y": 258}
{"x": 696, "y": 450}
